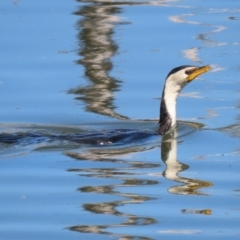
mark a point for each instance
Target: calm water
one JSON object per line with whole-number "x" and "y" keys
{"x": 81, "y": 66}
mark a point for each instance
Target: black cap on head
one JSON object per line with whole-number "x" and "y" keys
{"x": 178, "y": 69}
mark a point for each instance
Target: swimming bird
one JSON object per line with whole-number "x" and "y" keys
{"x": 175, "y": 81}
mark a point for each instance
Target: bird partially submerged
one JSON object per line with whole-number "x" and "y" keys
{"x": 176, "y": 80}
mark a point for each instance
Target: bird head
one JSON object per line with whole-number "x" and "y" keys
{"x": 175, "y": 82}
{"x": 180, "y": 76}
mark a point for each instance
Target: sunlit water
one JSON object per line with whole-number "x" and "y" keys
{"x": 83, "y": 67}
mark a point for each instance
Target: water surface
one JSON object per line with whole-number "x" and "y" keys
{"x": 84, "y": 66}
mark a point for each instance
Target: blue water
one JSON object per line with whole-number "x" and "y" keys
{"x": 82, "y": 66}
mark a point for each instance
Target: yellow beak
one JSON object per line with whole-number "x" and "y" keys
{"x": 198, "y": 71}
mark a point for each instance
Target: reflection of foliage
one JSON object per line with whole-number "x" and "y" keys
{"x": 96, "y": 49}
{"x": 204, "y": 211}
{"x": 126, "y": 169}
{"x": 233, "y": 130}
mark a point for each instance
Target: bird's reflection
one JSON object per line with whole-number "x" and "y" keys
{"x": 174, "y": 167}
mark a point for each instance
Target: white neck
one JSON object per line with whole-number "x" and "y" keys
{"x": 170, "y": 95}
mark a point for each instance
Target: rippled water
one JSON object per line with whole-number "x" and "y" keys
{"x": 82, "y": 67}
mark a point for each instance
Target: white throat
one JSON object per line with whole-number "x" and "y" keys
{"x": 170, "y": 95}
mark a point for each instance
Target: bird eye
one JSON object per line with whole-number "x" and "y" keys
{"x": 189, "y": 71}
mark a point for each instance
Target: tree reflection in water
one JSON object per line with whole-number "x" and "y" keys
{"x": 126, "y": 176}
{"x": 96, "y": 49}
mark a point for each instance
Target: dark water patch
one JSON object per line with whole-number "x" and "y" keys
{"x": 36, "y": 137}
